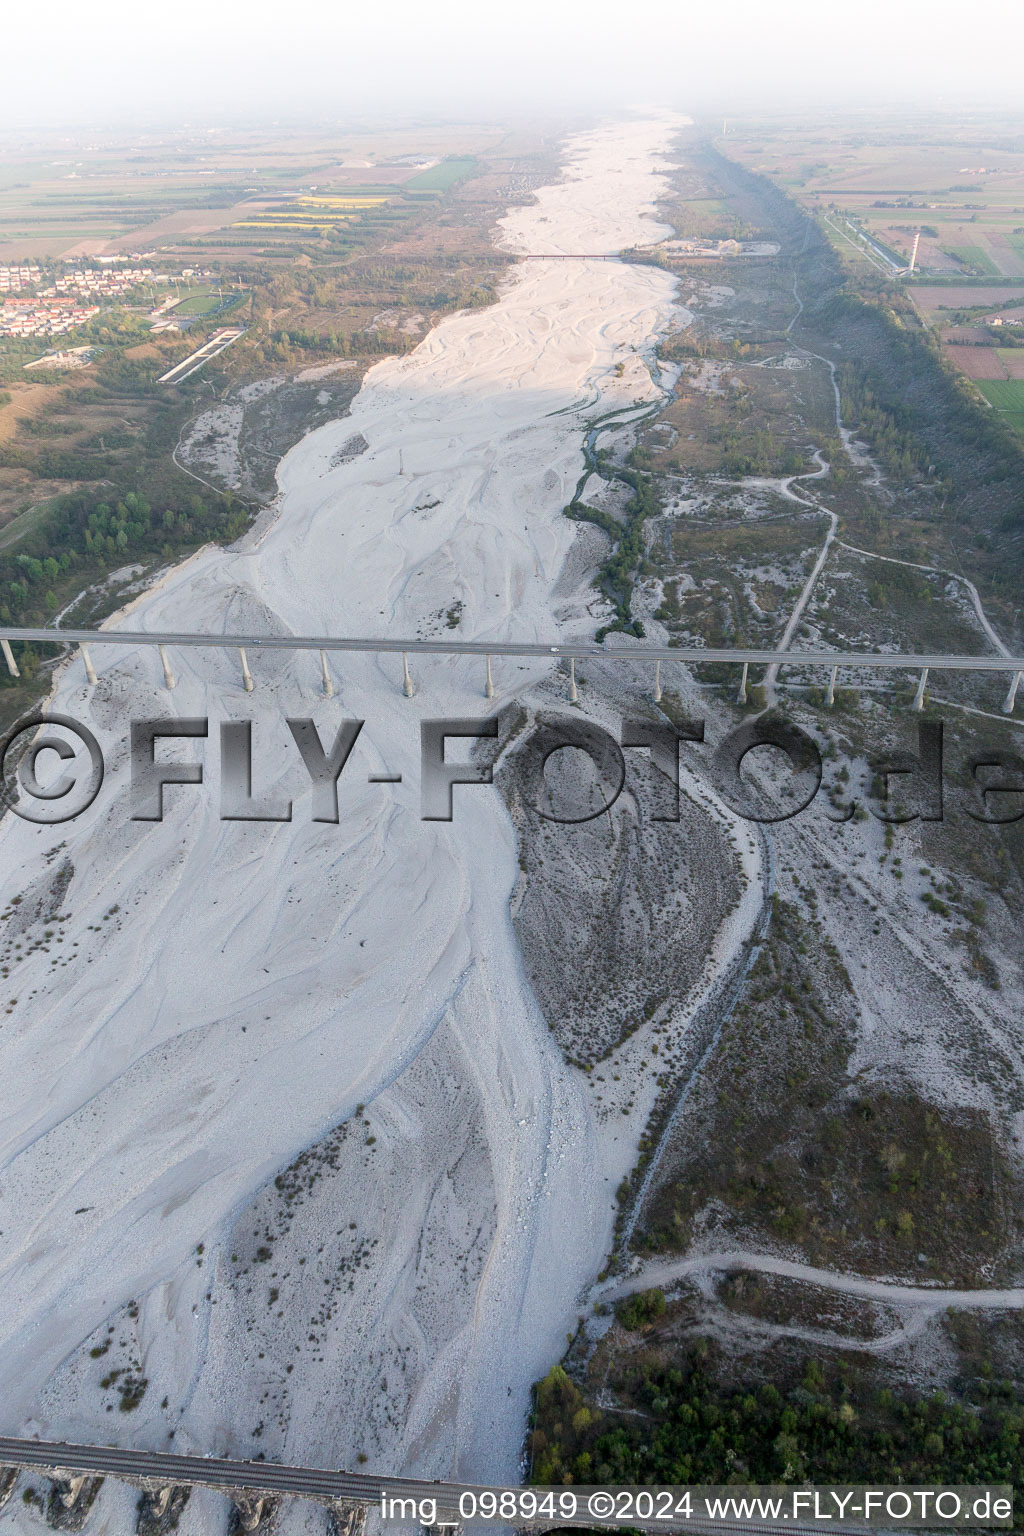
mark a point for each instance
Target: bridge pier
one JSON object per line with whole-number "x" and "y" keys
{"x": 251, "y": 1510}
{"x": 12, "y": 665}
{"x": 71, "y": 1498}
{"x": 347, "y": 1519}
{"x": 70, "y": 1491}
{"x": 741, "y": 696}
{"x": 161, "y": 1507}
{"x": 1011, "y": 697}
{"x": 657, "y": 682}
{"x": 8, "y": 1478}
{"x": 165, "y": 663}
{"x": 90, "y": 670}
{"x": 325, "y": 674}
{"x": 922, "y": 685}
{"x": 574, "y": 697}
{"x": 830, "y": 697}
{"x": 489, "y": 684}
{"x": 247, "y": 681}
{"x": 407, "y": 687}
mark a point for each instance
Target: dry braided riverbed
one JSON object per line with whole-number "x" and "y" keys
{"x": 287, "y": 1139}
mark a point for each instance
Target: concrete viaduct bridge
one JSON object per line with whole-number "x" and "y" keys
{"x": 833, "y": 662}
{"x": 257, "y": 1487}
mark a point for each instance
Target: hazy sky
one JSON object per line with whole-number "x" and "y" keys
{"x": 98, "y": 60}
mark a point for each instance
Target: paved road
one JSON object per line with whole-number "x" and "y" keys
{"x": 690, "y": 655}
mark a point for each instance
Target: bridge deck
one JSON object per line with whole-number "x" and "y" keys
{"x": 690, "y": 655}
{"x": 272, "y": 1479}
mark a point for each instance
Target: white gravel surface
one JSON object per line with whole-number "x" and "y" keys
{"x": 226, "y": 993}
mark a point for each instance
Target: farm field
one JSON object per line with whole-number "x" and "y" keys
{"x": 438, "y": 178}
{"x": 1004, "y": 394}
{"x": 360, "y": 207}
{"x": 989, "y": 362}
{"x": 977, "y": 257}
{"x": 1012, "y": 359}
{"x": 988, "y": 242}
{"x": 169, "y": 192}
{"x": 991, "y": 247}
{"x": 1007, "y": 397}
{"x": 933, "y": 298}
{"x": 961, "y": 185}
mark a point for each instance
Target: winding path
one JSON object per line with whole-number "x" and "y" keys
{"x": 785, "y": 486}
{"x": 668, "y": 1272}
{"x": 934, "y": 570}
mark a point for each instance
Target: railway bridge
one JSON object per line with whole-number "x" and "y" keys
{"x": 256, "y": 1488}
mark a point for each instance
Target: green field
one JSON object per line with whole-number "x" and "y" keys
{"x": 441, "y": 176}
{"x": 974, "y": 256}
{"x": 202, "y": 303}
{"x": 1004, "y": 394}
{"x": 1007, "y": 396}
{"x": 713, "y": 207}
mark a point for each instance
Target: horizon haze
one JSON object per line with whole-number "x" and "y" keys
{"x": 223, "y": 63}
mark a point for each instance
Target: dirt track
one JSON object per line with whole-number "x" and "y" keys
{"x": 668, "y": 1272}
